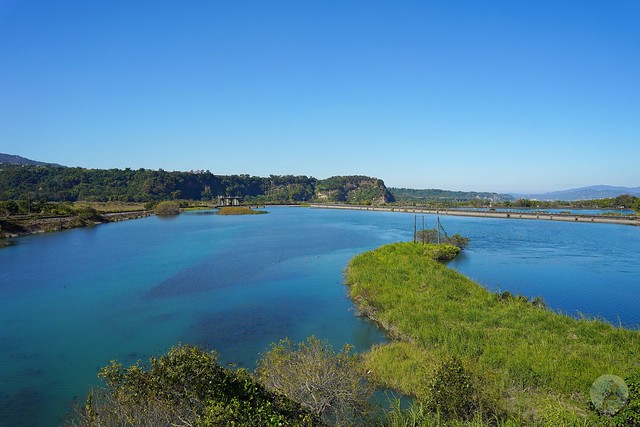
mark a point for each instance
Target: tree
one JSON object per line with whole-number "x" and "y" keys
{"x": 330, "y": 385}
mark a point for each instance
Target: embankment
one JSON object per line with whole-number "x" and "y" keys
{"x": 606, "y": 219}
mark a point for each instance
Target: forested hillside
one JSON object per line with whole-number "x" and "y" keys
{"x": 353, "y": 189}
{"x": 18, "y": 182}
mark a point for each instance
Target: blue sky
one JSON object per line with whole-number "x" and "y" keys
{"x": 520, "y": 96}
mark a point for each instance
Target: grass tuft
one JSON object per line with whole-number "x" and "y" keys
{"x": 239, "y": 210}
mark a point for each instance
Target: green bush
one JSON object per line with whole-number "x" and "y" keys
{"x": 630, "y": 413}
{"x": 445, "y": 252}
{"x": 167, "y": 208}
{"x": 87, "y": 213}
{"x": 458, "y": 240}
{"x": 452, "y": 393}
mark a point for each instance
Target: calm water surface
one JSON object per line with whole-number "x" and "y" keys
{"x": 73, "y": 300}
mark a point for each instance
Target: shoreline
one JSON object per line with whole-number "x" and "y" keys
{"x": 47, "y": 225}
{"x": 582, "y": 218}
{"x": 21, "y": 228}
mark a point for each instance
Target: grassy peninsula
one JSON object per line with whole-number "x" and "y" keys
{"x": 516, "y": 360}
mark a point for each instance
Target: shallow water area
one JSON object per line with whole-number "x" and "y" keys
{"x": 73, "y": 300}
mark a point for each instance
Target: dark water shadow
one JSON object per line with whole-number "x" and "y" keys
{"x": 256, "y": 258}
{"x": 22, "y": 407}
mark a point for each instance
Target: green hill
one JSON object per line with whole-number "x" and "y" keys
{"x": 43, "y": 182}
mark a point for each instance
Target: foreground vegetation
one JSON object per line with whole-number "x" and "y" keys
{"x": 467, "y": 353}
{"x": 295, "y": 384}
{"x": 185, "y": 387}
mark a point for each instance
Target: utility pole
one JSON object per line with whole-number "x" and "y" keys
{"x": 438, "y": 230}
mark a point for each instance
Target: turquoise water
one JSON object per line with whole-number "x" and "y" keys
{"x": 73, "y": 300}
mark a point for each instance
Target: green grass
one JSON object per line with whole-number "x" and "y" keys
{"x": 531, "y": 362}
{"x": 239, "y": 210}
{"x": 196, "y": 208}
{"x": 111, "y": 207}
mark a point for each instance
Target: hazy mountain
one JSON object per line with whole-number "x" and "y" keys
{"x": 583, "y": 193}
{"x": 19, "y": 160}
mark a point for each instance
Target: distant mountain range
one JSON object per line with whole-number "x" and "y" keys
{"x": 19, "y": 160}
{"x": 583, "y": 193}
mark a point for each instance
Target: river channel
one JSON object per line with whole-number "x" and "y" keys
{"x": 73, "y": 300}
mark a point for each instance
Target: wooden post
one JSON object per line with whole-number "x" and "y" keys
{"x": 415, "y": 218}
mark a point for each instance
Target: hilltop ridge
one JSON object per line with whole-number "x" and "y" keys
{"x": 19, "y": 160}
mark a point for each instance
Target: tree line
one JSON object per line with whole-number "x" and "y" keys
{"x": 447, "y": 199}
{"x": 44, "y": 183}
{"x": 624, "y": 201}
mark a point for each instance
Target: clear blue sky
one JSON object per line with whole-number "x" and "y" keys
{"x": 522, "y": 96}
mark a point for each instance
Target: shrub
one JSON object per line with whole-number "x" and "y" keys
{"x": 458, "y": 240}
{"x": 444, "y": 252}
{"x": 329, "y": 385}
{"x": 630, "y": 414}
{"x": 167, "y": 208}
{"x": 451, "y": 391}
{"x": 432, "y": 236}
{"x": 87, "y": 213}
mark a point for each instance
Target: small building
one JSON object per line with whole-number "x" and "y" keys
{"x": 229, "y": 200}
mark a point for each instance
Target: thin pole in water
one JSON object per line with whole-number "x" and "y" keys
{"x": 415, "y": 218}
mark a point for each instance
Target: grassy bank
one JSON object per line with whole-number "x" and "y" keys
{"x": 526, "y": 362}
{"x": 113, "y": 206}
